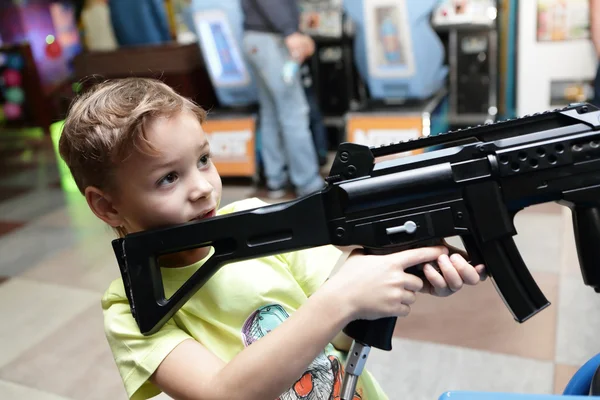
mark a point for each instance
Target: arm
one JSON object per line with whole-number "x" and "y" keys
{"x": 342, "y": 342}
{"x": 190, "y": 371}
{"x": 280, "y": 17}
{"x": 595, "y": 24}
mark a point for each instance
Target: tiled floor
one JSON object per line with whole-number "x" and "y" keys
{"x": 56, "y": 260}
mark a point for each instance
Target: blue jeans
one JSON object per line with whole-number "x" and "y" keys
{"x": 317, "y": 127}
{"x": 287, "y": 148}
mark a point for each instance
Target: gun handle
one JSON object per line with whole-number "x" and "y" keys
{"x": 375, "y": 333}
{"x": 586, "y": 225}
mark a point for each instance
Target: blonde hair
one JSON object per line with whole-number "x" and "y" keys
{"x": 105, "y": 124}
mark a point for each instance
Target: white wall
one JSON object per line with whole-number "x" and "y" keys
{"x": 540, "y": 63}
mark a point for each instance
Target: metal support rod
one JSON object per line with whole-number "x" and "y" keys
{"x": 357, "y": 358}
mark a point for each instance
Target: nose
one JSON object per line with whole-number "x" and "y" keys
{"x": 199, "y": 187}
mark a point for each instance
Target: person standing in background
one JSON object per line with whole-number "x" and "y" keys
{"x": 317, "y": 127}
{"x": 274, "y": 47}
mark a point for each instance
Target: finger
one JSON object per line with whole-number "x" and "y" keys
{"x": 413, "y": 283}
{"x": 481, "y": 271}
{"x": 354, "y": 251}
{"x": 408, "y": 297}
{"x": 427, "y": 289}
{"x": 467, "y": 272}
{"x": 453, "y": 249}
{"x": 408, "y": 258}
{"x": 451, "y": 275}
{"x": 348, "y": 248}
{"x": 403, "y": 310}
{"x": 435, "y": 279}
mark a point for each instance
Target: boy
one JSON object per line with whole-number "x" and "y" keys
{"x": 138, "y": 153}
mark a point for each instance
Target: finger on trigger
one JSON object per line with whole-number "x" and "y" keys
{"x": 421, "y": 255}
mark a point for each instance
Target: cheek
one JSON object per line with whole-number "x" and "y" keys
{"x": 159, "y": 209}
{"x": 215, "y": 181}
{"x": 169, "y": 205}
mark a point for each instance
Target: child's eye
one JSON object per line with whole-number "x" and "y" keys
{"x": 204, "y": 160}
{"x": 168, "y": 179}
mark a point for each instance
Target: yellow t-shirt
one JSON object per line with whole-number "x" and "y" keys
{"x": 241, "y": 303}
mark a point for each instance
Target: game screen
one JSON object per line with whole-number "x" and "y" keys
{"x": 219, "y": 49}
{"x": 389, "y": 47}
{"x": 389, "y": 39}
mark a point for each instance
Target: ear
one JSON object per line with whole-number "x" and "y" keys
{"x": 102, "y": 205}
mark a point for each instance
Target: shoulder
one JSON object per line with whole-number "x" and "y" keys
{"x": 114, "y": 293}
{"x": 137, "y": 356}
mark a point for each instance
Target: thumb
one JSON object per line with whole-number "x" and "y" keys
{"x": 349, "y": 248}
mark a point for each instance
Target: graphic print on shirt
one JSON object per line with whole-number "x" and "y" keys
{"x": 323, "y": 378}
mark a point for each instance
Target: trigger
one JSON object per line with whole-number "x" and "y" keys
{"x": 473, "y": 255}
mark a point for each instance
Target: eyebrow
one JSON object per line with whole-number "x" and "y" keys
{"x": 171, "y": 163}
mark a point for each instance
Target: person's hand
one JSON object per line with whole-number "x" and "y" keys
{"x": 300, "y": 46}
{"x": 309, "y": 46}
{"x": 376, "y": 286}
{"x": 455, "y": 272}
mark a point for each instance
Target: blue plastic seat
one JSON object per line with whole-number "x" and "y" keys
{"x": 586, "y": 379}
{"x": 585, "y": 382}
{"x": 464, "y": 395}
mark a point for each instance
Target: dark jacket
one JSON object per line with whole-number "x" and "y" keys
{"x": 276, "y": 16}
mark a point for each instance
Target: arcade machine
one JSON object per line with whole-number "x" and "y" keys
{"x": 471, "y": 26}
{"x": 231, "y": 127}
{"x": 40, "y": 40}
{"x": 400, "y": 58}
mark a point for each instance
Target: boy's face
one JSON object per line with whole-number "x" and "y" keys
{"x": 178, "y": 185}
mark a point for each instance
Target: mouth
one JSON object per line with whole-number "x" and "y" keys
{"x": 208, "y": 214}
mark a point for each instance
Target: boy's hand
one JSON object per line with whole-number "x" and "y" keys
{"x": 376, "y": 286}
{"x": 455, "y": 272}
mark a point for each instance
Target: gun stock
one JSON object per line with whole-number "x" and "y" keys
{"x": 259, "y": 232}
